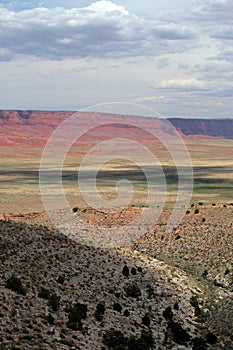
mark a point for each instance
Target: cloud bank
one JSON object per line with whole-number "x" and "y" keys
{"x": 102, "y": 29}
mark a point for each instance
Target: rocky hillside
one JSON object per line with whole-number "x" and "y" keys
{"x": 58, "y": 294}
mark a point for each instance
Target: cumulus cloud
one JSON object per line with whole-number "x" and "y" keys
{"x": 102, "y": 29}
{"x": 188, "y": 84}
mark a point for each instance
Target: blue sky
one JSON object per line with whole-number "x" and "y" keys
{"x": 173, "y": 56}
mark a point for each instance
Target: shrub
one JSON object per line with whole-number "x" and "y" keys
{"x": 75, "y": 209}
{"x": 133, "y": 291}
{"x": 44, "y": 293}
{"x": 180, "y": 336}
{"x": 114, "y": 339}
{"x": 50, "y": 319}
{"x": 54, "y": 302}
{"x": 150, "y": 291}
{"x": 194, "y": 303}
{"x": 137, "y": 344}
{"x": 13, "y": 283}
{"x": 147, "y": 337}
{"x": 126, "y": 313}
{"x": 133, "y": 271}
{"x": 61, "y": 279}
{"x": 196, "y": 211}
{"x": 125, "y": 271}
{"x": 205, "y": 273}
{"x": 199, "y": 344}
{"x": 146, "y": 320}
{"x": 187, "y": 211}
{"x": 75, "y": 316}
{"x": 203, "y": 220}
{"x": 167, "y": 313}
{"x": 145, "y": 342}
{"x": 211, "y": 338}
{"x": 117, "y": 307}
{"x": 99, "y": 312}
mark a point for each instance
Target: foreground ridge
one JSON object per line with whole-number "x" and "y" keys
{"x": 58, "y": 294}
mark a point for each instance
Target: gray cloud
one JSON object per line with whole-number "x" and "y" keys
{"x": 101, "y": 30}
{"x": 217, "y": 11}
{"x": 173, "y": 31}
{"x": 224, "y": 33}
{"x": 226, "y": 55}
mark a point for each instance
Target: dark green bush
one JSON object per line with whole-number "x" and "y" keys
{"x": 114, "y": 340}
{"x": 205, "y": 273}
{"x": 50, "y": 319}
{"x": 75, "y": 316}
{"x": 126, "y": 313}
{"x": 195, "y": 304}
{"x": 13, "y": 283}
{"x": 167, "y": 313}
{"x": 199, "y": 344}
{"x": 61, "y": 279}
{"x": 54, "y": 302}
{"x": 146, "y": 320}
{"x": 137, "y": 344}
{"x": 125, "y": 271}
{"x": 133, "y": 271}
{"x": 44, "y": 293}
{"x": 117, "y": 307}
{"x": 211, "y": 338}
{"x": 180, "y": 336}
{"x": 99, "y": 312}
{"x": 133, "y": 291}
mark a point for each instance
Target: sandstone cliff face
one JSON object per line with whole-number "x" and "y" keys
{"x": 28, "y": 128}
{"x": 221, "y": 128}
{"x": 32, "y": 128}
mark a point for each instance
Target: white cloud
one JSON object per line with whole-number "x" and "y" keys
{"x": 179, "y": 63}
{"x": 106, "y": 6}
{"x": 102, "y": 29}
{"x": 188, "y": 84}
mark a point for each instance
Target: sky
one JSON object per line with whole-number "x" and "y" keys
{"x": 175, "y": 57}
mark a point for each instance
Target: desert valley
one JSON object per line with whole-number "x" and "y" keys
{"x": 162, "y": 290}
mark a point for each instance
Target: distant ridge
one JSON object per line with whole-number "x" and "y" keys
{"x": 222, "y": 128}
{"x": 33, "y": 127}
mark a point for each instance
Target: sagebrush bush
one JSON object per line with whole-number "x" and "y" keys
{"x": 13, "y": 283}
